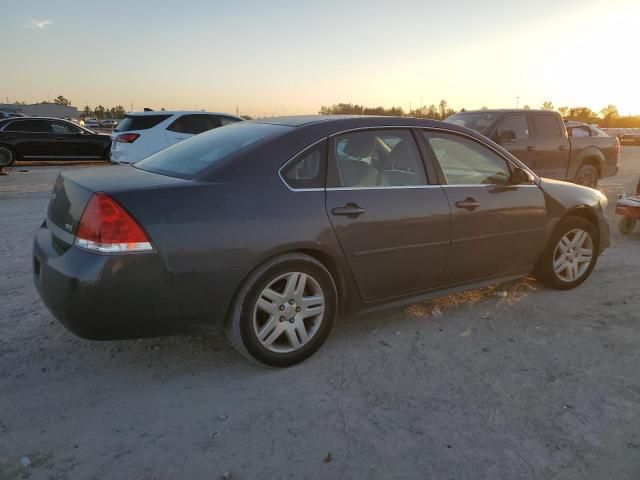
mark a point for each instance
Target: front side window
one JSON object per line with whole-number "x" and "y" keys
{"x": 29, "y": 126}
{"x": 62, "y": 128}
{"x": 546, "y": 126}
{"x": 378, "y": 158}
{"x": 308, "y": 169}
{"x": 194, "y": 124}
{"x": 228, "y": 120}
{"x": 512, "y": 128}
{"x": 466, "y": 162}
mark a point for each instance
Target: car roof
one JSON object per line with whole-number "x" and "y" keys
{"x": 36, "y": 118}
{"x": 509, "y": 110}
{"x": 346, "y": 121}
{"x": 177, "y": 112}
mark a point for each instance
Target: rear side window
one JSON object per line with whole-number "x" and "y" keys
{"x": 378, "y": 158}
{"x": 195, "y": 154}
{"x": 140, "y": 122}
{"x": 546, "y": 126}
{"x": 30, "y": 126}
{"x": 578, "y": 132}
{"x": 194, "y": 124}
{"x": 308, "y": 169}
{"x": 512, "y": 128}
{"x": 228, "y": 120}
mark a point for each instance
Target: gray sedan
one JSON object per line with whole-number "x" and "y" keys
{"x": 270, "y": 229}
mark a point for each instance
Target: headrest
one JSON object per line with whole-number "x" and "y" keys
{"x": 401, "y": 156}
{"x": 360, "y": 145}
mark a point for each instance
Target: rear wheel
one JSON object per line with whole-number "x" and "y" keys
{"x": 284, "y": 311}
{"x": 7, "y": 156}
{"x": 587, "y": 176}
{"x": 626, "y": 225}
{"x": 570, "y": 255}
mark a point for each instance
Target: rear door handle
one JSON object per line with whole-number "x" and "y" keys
{"x": 531, "y": 148}
{"x": 469, "y": 204}
{"x": 350, "y": 209}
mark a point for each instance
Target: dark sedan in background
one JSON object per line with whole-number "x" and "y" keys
{"x": 270, "y": 228}
{"x": 37, "y": 138}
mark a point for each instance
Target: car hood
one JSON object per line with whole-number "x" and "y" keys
{"x": 570, "y": 195}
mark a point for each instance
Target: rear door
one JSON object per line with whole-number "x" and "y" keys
{"x": 498, "y": 227}
{"x": 393, "y": 225}
{"x": 189, "y": 125}
{"x": 513, "y": 133}
{"x": 551, "y": 145}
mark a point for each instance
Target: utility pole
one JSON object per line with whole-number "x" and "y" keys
{"x": 517, "y": 101}
{"x": 237, "y": 112}
{"x": 131, "y": 106}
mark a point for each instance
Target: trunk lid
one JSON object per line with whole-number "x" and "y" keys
{"x": 72, "y": 192}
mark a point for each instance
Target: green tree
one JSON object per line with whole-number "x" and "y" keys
{"x": 564, "y": 111}
{"x": 547, "y": 105}
{"x": 527, "y": 107}
{"x": 87, "y": 111}
{"x": 60, "y": 100}
{"x": 99, "y": 111}
{"x": 442, "y": 108}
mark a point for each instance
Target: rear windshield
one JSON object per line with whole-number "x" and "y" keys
{"x": 139, "y": 122}
{"x": 191, "y": 156}
{"x": 478, "y": 121}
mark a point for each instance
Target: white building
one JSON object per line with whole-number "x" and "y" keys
{"x": 44, "y": 109}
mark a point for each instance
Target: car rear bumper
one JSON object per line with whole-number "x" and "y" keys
{"x": 105, "y": 297}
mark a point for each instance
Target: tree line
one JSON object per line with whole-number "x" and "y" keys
{"x": 608, "y": 117}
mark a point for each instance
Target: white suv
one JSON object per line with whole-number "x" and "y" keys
{"x": 141, "y": 134}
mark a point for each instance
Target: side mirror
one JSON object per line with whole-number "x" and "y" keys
{"x": 520, "y": 176}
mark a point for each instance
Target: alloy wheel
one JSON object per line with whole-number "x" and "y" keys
{"x": 288, "y": 312}
{"x": 588, "y": 179}
{"x": 573, "y": 255}
{"x": 6, "y": 157}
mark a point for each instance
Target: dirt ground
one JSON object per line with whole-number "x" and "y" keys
{"x": 539, "y": 384}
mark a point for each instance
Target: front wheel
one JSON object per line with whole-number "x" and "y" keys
{"x": 570, "y": 255}
{"x": 284, "y": 311}
{"x": 587, "y": 176}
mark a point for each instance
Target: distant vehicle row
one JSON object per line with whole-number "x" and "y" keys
{"x": 575, "y": 152}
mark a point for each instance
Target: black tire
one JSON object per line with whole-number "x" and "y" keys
{"x": 626, "y": 225}
{"x": 240, "y": 324}
{"x": 7, "y": 156}
{"x": 544, "y": 270}
{"x": 587, "y": 176}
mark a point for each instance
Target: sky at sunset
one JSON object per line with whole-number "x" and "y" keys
{"x": 266, "y": 56}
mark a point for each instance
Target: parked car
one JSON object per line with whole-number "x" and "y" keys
{"x": 40, "y": 138}
{"x": 141, "y": 134}
{"x": 271, "y": 228}
{"x": 539, "y": 138}
{"x": 8, "y": 113}
{"x": 630, "y": 138}
{"x": 108, "y": 123}
{"x": 91, "y": 123}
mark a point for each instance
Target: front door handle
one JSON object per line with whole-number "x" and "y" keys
{"x": 531, "y": 148}
{"x": 350, "y": 209}
{"x": 469, "y": 204}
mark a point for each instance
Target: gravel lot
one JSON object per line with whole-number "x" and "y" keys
{"x": 536, "y": 385}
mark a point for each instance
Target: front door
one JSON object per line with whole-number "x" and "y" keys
{"x": 498, "y": 227}
{"x": 393, "y": 226}
{"x": 513, "y": 133}
{"x": 552, "y": 145}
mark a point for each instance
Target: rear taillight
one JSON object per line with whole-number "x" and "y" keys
{"x": 106, "y": 227}
{"x": 127, "y": 137}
